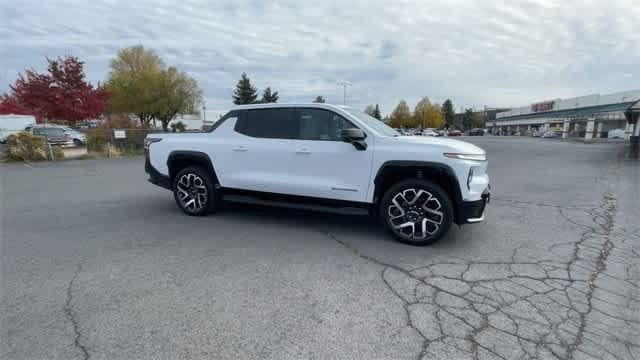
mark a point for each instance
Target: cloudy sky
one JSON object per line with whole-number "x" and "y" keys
{"x": 498, "y": 53}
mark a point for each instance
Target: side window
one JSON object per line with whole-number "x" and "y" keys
{"x": 268, "y": 123}
{"x": 318, "y": 124}
{"x": 221, "y": 121}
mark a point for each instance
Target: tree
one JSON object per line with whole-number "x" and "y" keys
{"x": 61, "y": 94}
{"x": 268, "y": 96}
{"x": 136, "y": 59}
{"x": 428, "y": 115}
{"x": 9, "y": 105}
{"x": 178, "y": 93}
{"x": 369, "y": 110}
{"x": 434, "y": 117}
{"x": 376, "y": 113}
{"x": 178, "y": 126}
{"x": 373, "y": 111}
{"x": 448, "y": 113}
{"x": 245, "y": 93}
{"x": 471, "y": 119}
{"x": 319, "y": 99}
{"x": 420, "y": 112}
{"x": 401, "y": 115}
{"x": 136, "y": 74}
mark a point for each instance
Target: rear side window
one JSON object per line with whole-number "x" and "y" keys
{"x": 268, "y": 123}
{"x": 319, "y": 124}
{"x": 48, "y": 131}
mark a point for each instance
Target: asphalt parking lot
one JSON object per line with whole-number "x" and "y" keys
{"x": 99, "y": 264}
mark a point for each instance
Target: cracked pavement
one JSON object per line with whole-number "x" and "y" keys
{"x": 97, "y": 264}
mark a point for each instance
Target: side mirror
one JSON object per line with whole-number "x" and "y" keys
{"x": 355, "y": 137}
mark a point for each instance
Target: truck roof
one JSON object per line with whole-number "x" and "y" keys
{"x": 285, "y": 105}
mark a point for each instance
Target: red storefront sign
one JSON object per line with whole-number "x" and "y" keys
{"x": 542, "y": 106}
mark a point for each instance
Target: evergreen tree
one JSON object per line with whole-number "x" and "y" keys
{"x": 319, "y": 99}
{"x": 448, "y": 114}
{"x": 268, "y": 96}
{"x": 376, "y": 113}
{"x": 470, "y": 119}
{"x": 245, "y": 93}
{"x": 369, "y": 110}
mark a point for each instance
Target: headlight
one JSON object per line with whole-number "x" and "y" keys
{"x": 469, "y": 178}
{"x": 476, "y": 157}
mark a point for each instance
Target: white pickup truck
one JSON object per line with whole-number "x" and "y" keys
{"x": 329, "y": 155}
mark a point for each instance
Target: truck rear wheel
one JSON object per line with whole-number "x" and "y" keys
{"x": 194, "y": 191}
{"x": 417, "y": 212}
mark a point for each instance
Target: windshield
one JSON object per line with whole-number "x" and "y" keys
{"x": 377, "y": 125}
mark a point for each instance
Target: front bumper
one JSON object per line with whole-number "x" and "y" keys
{"x": 473, "y": 211}
{"x": 155, "y": 177}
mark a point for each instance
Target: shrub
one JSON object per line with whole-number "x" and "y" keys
{"x": 58, "y": 152}
{"x": 25, "y": 146}
{"x": 178, "y": 126}
{"x": 97, "y": 139}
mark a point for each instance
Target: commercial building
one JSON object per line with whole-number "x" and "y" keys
{"x": 588, "y": 117}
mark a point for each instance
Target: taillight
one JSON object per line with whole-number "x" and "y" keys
{"x": 149, "y": 141}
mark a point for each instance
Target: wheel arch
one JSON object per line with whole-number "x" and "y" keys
{"x": 392, "y": 172}
{"x": 180, "y": 159}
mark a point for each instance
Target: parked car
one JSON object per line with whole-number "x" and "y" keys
{"x": 476, "y": 132}
{"x": 615, "y": 134}
{"x": 455, "y": 132}
{"x": 331, "y": 155}
{"x": 429, "y": 132}
{"x": 77, "y": 138}
{"x": 552, "y": 134}
{"x": 55, "y": 135}
{"x": 441, "y": 132}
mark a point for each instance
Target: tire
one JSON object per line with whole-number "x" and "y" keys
{"x": 194, "y": 191}
{"x": 417, "y": 212}
{"x": 77, "y": 142}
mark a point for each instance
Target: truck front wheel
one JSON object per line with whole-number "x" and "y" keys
{"x": 194, "y": 191}
{"x": 417, "y": 212}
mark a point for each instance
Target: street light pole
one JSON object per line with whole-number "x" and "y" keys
{"x": 204, "y": 112}
{"x": 344, "y": 85}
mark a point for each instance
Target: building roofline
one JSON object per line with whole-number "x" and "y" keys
{"x": 595, "y": 109}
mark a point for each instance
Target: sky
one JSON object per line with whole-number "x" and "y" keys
{"x": 494, "y": 53}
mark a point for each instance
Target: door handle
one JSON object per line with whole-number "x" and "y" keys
{"x": 240, "y": 148}
{"x": 303, "y": 152}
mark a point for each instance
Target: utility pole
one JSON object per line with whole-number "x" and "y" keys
{"x": 344, "y": 85}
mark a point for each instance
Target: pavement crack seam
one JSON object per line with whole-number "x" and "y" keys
{"x": 607, "y": 215}
{"x": 385, "y": 267}
{"x": 68, "y": 310}
{"x": 540, "y": 204}
{"x": 521, "y": 307}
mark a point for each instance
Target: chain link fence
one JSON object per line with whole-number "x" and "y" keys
{"x": 116, "y": 142}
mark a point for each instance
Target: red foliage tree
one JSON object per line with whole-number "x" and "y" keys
{"x": 9, "y": 105}
{"x": 62, "y": 94}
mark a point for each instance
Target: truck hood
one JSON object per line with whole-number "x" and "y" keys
{"x": 451, "y": 145}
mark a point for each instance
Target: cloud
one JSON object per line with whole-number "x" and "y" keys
{"x": 476, "y": 53}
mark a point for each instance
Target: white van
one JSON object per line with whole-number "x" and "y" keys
{"x": 11, "y": 124}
